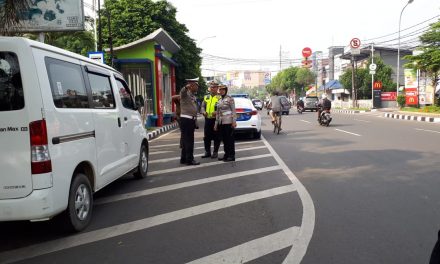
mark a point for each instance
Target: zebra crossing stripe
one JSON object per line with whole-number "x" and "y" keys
{"x": 253, "y": 249}
{"x": 199, "y": 155}
{"x": 126, "y": 228}
{"x": 173, "y": 187}
{"x": 205, "y": 165}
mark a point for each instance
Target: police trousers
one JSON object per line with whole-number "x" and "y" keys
{"x": 227, "y": 135}
{"x": 211, "y": 135}
{"x": 187, "y": 127}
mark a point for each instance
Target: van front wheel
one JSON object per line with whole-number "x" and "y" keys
{"x": 79, "y": 209}
{"x": 142, "y": 168}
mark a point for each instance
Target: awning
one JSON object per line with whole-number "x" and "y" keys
{"x": 340, "y": 91}
{"x": 333, "y": 84}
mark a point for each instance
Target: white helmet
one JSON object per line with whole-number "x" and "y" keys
{"x": 324, "y": 96}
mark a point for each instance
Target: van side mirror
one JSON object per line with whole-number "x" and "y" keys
{"x": 138, "y": 102}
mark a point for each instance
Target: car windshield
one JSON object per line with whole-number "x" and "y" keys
{"x": 241, "y": 102}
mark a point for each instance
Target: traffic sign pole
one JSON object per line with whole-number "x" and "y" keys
{"x": 372, "y": 76}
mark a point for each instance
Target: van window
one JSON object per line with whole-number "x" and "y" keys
{"x": 67, "y": 84}
{"x": 102, "y": 93}
{"x": 124, "y": 92}
{"x": 11, "y": 88}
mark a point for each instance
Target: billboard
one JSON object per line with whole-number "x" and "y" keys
{"x": 51, "y": 15}
{"x": 410, "y": 78}
{"x": 267, "y": 78}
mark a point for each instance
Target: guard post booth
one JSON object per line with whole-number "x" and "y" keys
{"x": 150, "y": 72}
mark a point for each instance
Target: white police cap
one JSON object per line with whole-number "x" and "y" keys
{"x": 193, "y": 80}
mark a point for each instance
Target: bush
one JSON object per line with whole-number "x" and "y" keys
{"x": 401, "y": 100}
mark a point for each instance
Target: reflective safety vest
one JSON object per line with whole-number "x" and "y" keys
{"x": 210, "y": 104}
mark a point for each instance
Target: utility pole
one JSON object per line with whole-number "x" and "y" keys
{"x": 353, "y": 94}
{"x": 110, "y": 38}
{"x": 280, "y": 58}
{"x": 99, "y": 28}
{"x": 95, "y": 33}
{"x": 372, "y": 76}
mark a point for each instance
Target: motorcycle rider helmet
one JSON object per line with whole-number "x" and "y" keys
{"x": 324, "y": 96}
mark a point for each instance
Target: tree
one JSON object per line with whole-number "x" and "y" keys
{"x": 429, "y": 60}
{"x": 10, "y": 14}
{"x": 292, "y": 78}
{"x": 135, "y": 19}
{"x": 304, "y": 77}
{"x": 363, "y": 79}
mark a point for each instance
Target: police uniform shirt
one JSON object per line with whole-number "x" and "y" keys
{"x": 188, "y": 103}
{"x": 226, "y": 111}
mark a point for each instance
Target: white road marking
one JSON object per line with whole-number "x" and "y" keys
{"x": 301, "y": 243}
{"x": 427, "y": 130}
{"x": 360, "y": 120}
{"x": 163, "y": 135}
{"x": 160, "y": 152}
{"x": 253, "y": 249}
{"x": 347, "y": 132}
{"x": 199, "y": 155}
{"x": 123, "y": 229}
{"x": 170, "y": 145}
{"x": 239, "y": 143}
{"x": 205, "y": 165}
{"x": 197, "y": 142}
{"x": 305, "y": 121}
{"x": 183, "y": 185}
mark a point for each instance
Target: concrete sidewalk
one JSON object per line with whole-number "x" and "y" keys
{"x": 396, "y": 114}
{"x": 157, "y": 131}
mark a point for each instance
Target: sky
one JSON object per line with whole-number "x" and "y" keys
{"x": 255, "y": 29}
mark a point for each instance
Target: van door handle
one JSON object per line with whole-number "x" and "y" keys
{"x": 119, "y": 122}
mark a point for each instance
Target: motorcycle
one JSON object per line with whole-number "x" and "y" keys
{"x": 325, "y": 118}
{"x": 300, "y": 109}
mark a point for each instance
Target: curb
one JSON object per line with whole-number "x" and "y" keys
{"x": 350, "y": 111}
{"x": 413, "y": 118}
{"x": 161, "y": 130}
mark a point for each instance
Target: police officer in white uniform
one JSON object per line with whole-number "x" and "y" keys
{"x": 188, "y": 120}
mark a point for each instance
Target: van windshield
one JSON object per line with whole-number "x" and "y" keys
{"x": 11, "y": 88}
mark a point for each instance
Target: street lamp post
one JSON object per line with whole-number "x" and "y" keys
{"x": 398, "y": 49}
{"x": 203, "y": 39}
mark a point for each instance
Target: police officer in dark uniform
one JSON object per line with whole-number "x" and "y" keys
{"x": 209, "y": 108}
{"x": 188, "y": 120}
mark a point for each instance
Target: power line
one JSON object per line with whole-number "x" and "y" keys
{"x": 367, "y": 40}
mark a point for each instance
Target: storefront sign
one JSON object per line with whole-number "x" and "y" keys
{"x": 388, "y": 96}
{"x": 411, "y": 96}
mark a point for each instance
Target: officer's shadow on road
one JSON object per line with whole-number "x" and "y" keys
{"x": 435, "y": 255}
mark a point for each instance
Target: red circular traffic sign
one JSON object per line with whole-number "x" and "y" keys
{"x": 306, "y": 52}
{"x": 355, "y": 43}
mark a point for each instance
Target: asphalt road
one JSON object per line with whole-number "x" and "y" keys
{"x": 251, "y": 210}
{"x": 374, "y": 183}
{"x": 364, "y": 190}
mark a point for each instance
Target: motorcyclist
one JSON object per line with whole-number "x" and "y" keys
{"x": 323, "y": 104}
{"x": 300, "y": 104}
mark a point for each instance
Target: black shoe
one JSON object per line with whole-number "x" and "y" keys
{"x": 207, "y": 155}
{"x": 214, "y": 155}
{"x": 222, "y": 158}
{"x": 183, "y": 162}
{"x": 193, "y": 163}
{"x": 229, "y": 159}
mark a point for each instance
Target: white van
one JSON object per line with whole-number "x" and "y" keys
{"x": 68, "y": 127}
